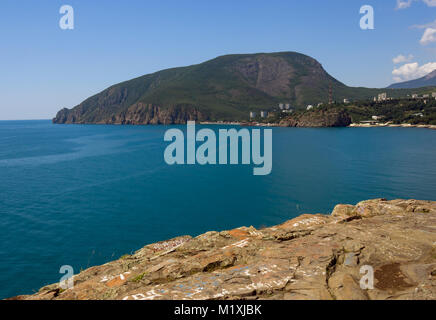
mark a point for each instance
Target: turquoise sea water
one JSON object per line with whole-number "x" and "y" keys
{"x": 82, "y": 195}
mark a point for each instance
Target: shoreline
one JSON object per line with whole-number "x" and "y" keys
{"x": 223, "y": 123}
{"x": 257, "y": 124}
{"x": 352, "y": 125}
{"x": 390, "y": 125}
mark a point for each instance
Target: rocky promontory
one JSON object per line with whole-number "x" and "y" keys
{"x": 138, "y": 113}
{"x": 310, "y": 257}
{"x": 318, "y": 118}
{"x": 226, "y": 88}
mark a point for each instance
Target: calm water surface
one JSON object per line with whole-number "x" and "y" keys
{"x": 83, "y": 195}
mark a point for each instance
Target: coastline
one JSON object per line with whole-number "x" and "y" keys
{"x": 223, "y": 123}
{"x": 352, "y": 125}
{"x": 311, "y": 257}
{"x": 257, "y": 124}
{"x": 382, "y": 125}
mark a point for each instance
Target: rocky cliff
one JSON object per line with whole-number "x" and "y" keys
{"x": 309, "y": 257}
{"x": 318, "y": 118}
{"x": 138, "y": 113}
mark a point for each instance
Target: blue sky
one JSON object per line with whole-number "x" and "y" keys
{"x": 44, "y": 68}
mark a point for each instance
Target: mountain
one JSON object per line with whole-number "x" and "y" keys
{"x": 224, "y": 88}
{"x": 427, "y": 81}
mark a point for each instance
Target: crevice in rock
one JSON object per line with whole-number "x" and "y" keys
{"x": 330, "y": 269}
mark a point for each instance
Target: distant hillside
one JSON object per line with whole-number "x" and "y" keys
{"x": 427, "y": 81}
{"x": 225, "y": 88}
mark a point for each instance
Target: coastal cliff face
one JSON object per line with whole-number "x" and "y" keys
{"x": 138, "y": 113}
{"x": 309, "y": 257}
{"x": 318, "y": 118}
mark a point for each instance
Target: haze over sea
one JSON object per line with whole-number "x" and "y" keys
{"x": 82, "y": 195}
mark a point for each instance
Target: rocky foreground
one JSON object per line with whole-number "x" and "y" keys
{"x": 309, "y": 257}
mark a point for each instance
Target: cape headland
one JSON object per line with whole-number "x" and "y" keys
{"x": 227, "y": 88}
{"x": 310, "y": 257}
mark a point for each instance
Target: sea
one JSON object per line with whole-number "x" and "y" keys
{"x": 83, "y": 195}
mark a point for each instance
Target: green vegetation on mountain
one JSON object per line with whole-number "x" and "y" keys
{"x": 225, "y": 88}
{"x": 395, "y": 111}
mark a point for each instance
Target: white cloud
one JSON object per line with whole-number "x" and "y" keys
{"x": 411, "y": 71}
{"x": 403, "y": 4}
{"x": 401, "y": 58}
{"x": 430, "y": 3}
{"x": 429, "y": 32}
{"x": 428, "y": 36}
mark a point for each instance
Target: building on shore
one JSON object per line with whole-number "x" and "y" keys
{"x": 252, "y": 115}
{"x": 346, "y": 101}
{"x": 382, "y": 96}
{"x": 263, "y": 114}
{"x": 433, "y": 94}
{"x": 377, "y": 118}
{"x": 281, "y": 106}
{"x": 414, "y": 96}
{"x": 369, "y": 122}
{"x": 309, "y": 107}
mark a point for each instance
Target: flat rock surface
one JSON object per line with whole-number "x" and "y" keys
{"x": 309, "y": 257}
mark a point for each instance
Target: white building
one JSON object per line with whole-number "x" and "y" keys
{"x": 309, "y": 107}
{"x": 414, "y": 96}
{"x": 263, "y": 114}
{"x": 287, "y": 106}
{"x": 281, "y": 106}
{"x": 382, "y": 96}
{"x": 433, "y": 94}
{"x": 346, "y": 101}
{"x": 252, "y": 115}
